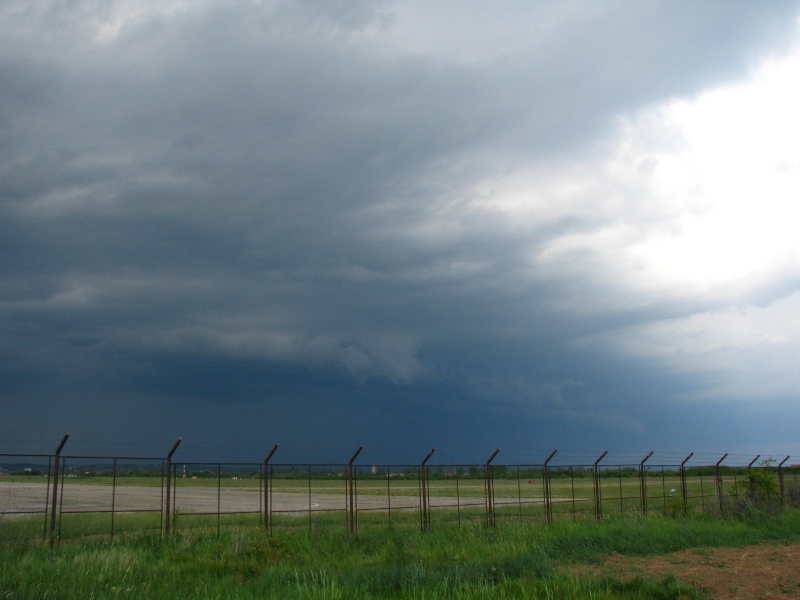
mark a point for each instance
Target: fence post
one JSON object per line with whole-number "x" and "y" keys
{"x": 598, "y": 504}
{"x": 718, "y": 479}
{"x": 113, "y": 497}
{"x": 548, "y": 506}
{"x": 750, "y": 466}
{"x": 780, "y": 475}
{"x": 643, "y": 484}
{"x": 268, "y": 492}
{"x": 424, "y": 508}
{"x": 351, "y": 492}
{"x": 168, "y": 514}
{"x": 489, "y": 489}
{"x": 684, "y": 493}
{"x": 752, "y": 462}
{"x": 55, "y": 490}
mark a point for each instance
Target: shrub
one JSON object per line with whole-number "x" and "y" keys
{"x": 759, "y": 492}
{"x": 761, "y": 485}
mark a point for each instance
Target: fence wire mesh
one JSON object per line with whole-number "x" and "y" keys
{"x": 54, "y": 497}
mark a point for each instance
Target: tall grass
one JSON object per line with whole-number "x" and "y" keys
{"x": 512, "y": 560}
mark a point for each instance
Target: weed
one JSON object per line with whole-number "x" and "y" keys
{"x": 512, "y": 560}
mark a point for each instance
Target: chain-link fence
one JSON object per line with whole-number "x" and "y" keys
{"x": 109, "y": 495}
{"x": 26, "y": 483}
{"x": 56, "y": 497}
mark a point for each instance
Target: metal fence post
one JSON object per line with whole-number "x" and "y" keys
{"x": 219, "y": 497}
{"x": 718, "y": 479}
{"x": 643, "y": 483}
{"x": 424, "y": 508}
{"x": 489, "y": 489}
{"x": 684, "y": 492}
{"x": 113, "y": 497}
{"x": 780, "y": 476}
{"x": 598, "y": 504}
{"x": 351, "y": 492}
{"x": 268, "y": 492}
{"x": 168, "y": 513}
{"x": 749, "y": 466}
{"x": 548, "y": 502}
{"x": 55, "y": 490}
{"x": 310, "y": 504}
{"x": 389, "y": 493}
{"x": 47, "y": 498}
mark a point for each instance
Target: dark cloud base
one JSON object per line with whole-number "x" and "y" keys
{"x": 249, "y": 224}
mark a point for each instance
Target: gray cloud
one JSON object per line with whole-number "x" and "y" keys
{"x": 213, "y": 202}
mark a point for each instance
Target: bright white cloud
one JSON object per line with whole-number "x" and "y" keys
{"x": 694, "y": 196}
{"x": 718, "y": 228}
{"x": 738, "y": 165}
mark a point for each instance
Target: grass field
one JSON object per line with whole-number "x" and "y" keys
{"x": 515, "y": 559}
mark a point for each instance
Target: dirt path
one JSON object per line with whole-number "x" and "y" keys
{"x": 749, "y": 573}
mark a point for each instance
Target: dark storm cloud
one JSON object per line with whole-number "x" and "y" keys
{"x": 230, "y": 203}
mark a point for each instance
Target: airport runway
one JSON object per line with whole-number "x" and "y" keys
{"x": 24, "y": 498}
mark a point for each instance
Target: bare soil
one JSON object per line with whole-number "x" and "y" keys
{"x": 751, "y": 573}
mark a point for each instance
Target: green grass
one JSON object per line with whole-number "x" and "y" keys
{"x": 515, "y": 559}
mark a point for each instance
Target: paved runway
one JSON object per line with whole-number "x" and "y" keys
{"x": 24, "y": 497}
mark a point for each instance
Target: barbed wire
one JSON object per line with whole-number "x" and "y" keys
{"x": 194, "y": 450}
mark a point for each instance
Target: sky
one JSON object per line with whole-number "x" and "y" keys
{"x": 403, "y": 225}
